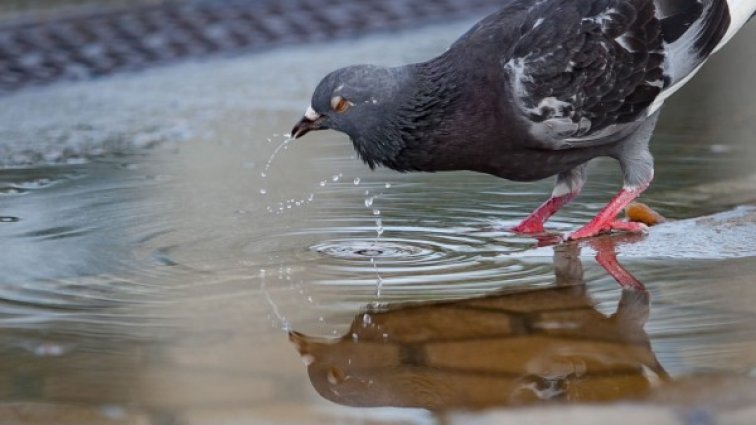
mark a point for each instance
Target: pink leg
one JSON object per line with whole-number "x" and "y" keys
{"x": 606, "y": 221}
{"x": 533, "y": 224}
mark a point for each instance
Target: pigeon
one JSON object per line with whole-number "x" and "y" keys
{"x": 534, "y": 90}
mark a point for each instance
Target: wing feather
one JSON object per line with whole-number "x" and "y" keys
{"x": 590, "y": 69}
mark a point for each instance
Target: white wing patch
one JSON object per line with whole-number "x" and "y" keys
{"x": 682, "y": 63}
{"x": 740, "y": 12}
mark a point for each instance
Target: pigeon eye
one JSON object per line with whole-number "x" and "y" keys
{"x": 339, "y": 104}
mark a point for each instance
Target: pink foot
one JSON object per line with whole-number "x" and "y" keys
{"x": 533, "y": 225}
{"x": 529, "y": 227}
{"x": 592, "y": 230}
{"x": 606, "y": 220}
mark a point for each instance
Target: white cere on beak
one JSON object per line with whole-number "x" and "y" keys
{"x": 311, "y": 115}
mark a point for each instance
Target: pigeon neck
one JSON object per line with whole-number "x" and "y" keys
{"x": 425, "y": 95}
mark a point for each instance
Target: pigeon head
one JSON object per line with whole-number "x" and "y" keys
{"x": 364, "y": 102}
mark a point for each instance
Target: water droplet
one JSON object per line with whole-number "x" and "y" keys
{"x": 310, "y": 197}
{"x": 379, "y": 231}
{"x": 276, "y": 151}
{"x": 376, "y": 212}
{"x": 263, "y": 191}
{"x": 369, "y": 202}
{"x": 263, "y": 174}
{"x": 323, "y": 183}
{"x": 356, "y": 181}
{"x": 310, "y": 300}
{"x": 335, "y": 178}
{"x": 388, "y": 185}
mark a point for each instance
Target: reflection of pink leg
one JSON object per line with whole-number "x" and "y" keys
{"x": 607, "y": 258}
{"x": 536, "y": 219}
{"x": 606, "y": 221}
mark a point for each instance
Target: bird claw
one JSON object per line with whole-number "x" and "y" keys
{"x": 592, "y": 230}
{"x": 529, "y": 228}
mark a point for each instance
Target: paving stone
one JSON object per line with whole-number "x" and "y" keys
{"x": 96, "y": 43}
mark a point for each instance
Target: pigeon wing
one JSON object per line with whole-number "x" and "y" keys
{"x": 584, "y": 70}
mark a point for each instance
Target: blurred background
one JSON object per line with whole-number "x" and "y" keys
{"x": 45, "y": 41}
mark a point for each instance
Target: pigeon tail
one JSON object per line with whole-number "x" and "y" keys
{"x": 693, "y": 32}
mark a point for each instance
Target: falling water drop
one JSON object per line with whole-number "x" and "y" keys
{"x": 379, "y": 287}
{"x": 323, "y": 183}
{"x": 310, "y": 197}
{"x": 369, "y": 202}
{"x": 263, "y": 191}
{"x": 335, "y": 178}
{"x": 276, "y": 151}
{"x": 356, "y": 181}
{"x": 376, "y": 212}
{"x": 388, "y": 185}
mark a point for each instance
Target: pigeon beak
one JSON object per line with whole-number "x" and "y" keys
{"x": 310, "y": 122}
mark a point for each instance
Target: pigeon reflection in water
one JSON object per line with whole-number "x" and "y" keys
{"x": 508, "y": 349}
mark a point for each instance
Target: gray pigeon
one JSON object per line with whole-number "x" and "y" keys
{"x": 537, "y": 89}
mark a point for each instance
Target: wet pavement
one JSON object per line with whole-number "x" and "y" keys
{"x": 89, "y": 42}
{"x": 154, "y": 269}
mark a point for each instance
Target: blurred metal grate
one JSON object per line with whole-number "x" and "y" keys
{"x": 100, "y": 43}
